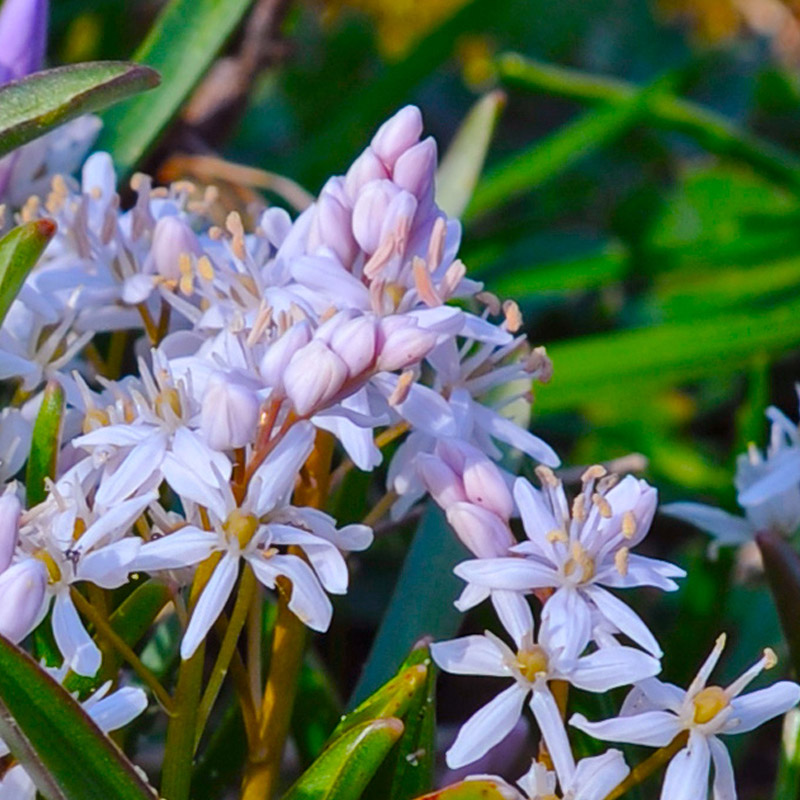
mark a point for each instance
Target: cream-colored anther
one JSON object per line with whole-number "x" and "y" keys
{"x": 621, "y": 561}
{"x": 547, "y": 476}
{"x": 628, "y": 525}
{"x": 593, "y": 473}
{"x": 603, "y": 506}
{"x": 708, "y": 703}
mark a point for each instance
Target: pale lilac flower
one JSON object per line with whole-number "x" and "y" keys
{"x": 22, "y": 588}
{"x": 592, "y": 779}
{"x": 15, "y": 442}
{"x": 229, "y": 413}
{"x": 253, "y": 531}
{"x": 10, "y": 509}
{"x": 109, "y": 710}
{"x": 768, "y": 489}
{"x": 555, "y": 656}
{"x": 655, "y": 713}
{"x": 581, "y": 553}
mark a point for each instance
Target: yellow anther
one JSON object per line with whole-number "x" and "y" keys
{"x": 241, "y": 526}
{"x": 557, "y": 535}
{"x": 168, "y": 398}
{"x": 78, "y": 529}
{"x": 205, "y": 268}
{"x": 770, "y": 658}
{"x": 95, "y": 418}
{"x": 532, "y": 662}
{"x": 579, "y": 508}
{"x": 708, "y": 703}
{"x": 513, "y": 316}
{"x": 628, "y": 524}
{"x": 621, "y": 561}
{"x": 603, "y": 506}
{"x": 580, "y": 558}
{"x": 593, "y": 473}
{"x": 215, "y": 233}
{"x": 53, "y": 572}
{"x": 396, "y": 292}
{"x": 547, "y": 476}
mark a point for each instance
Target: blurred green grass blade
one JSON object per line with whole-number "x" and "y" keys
{"x": 421, "y": 605}
{"x": 20, "y": 249}
{"x": 623, "y": 361}
{"x": 782, "y": 570}
{"x": 65, "y": 753}
{"x": 709, "y": 129}
{"x": 181, "y": 45}
{"x": 32, "y": 106}
{"x": 462, "y": 164}
{"x": 751, "y": 423}
{"x": 787, "y": 783}
{"x": 483, "y": 789}
{"x": 316, "y": 712}
{"x": 45, "y": 443}
{"x": 345, "y": 768}
{"x": 408, "y": 771}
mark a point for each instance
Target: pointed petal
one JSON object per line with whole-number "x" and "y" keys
{"x": 725, "y": 527}
{"x": 548, "y": 717}
{"x": 184, "y": 548}
{"x": 142, "y": 461}
{"x": 610, "y": 667}
{"x": 687, "y": 774}
{"x": 514, "y": 612}
{"x": 652, "y": 728}
{"x": 109, "y": 566}
{"x": 597, "y": 777}
{"x": 627, "y": 620}
{"x": 118, "y": 709}
{"x": 75, "y": 644}
{"x": 724, "y": 781}
{"x": 754, "y": 709}
{"x": 515, "y": 574}
{"x": 115, "y": 522}
{"x": 566, "y": 622}
{"x": 470, "y": 655}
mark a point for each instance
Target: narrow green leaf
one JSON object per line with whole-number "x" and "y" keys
{"x": 663, "y": 355}
{"x": 345, "y": 768}
{"x": 32, "y": 106}
{"x": 181, "y": 45}
{"x": 419, "y": 606}
{"x": 45, "y": 444}
{"x": 782, "y": 568}
{"x": 469, "y": 790}
{"x": 65, "y": 753}
{"x": 19, "y": 251}
{"x": 787, "y": 782}
{"x": 408, "y": 771}
{"x": 393, "y": 699}
{"x": 462, "y": 164}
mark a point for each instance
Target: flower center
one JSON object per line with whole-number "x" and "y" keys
{"x": 532, "y": 662}
{"x": 168, "y": 398}
{"x": 241, "y": 527}
{"x": 708, "y": 703}
{"x": 53, "y": 572}
{"x": 78, "y": 529}
{"x": 95, "y": 418}
{"x": 580, "y": 560}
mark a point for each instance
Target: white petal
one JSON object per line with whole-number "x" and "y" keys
{"x": 724, "y": 781}
{"x": 781, "y": 477}
{"x": 135, "y": 469}
{"x": 17, "y": 785}
{"x": 566, "y": 622}
{"x": 183, "y": 548}
{"x": 183, "y": 480}
{"x": 509, "y": 432}
{"x": 210, "y": 604}
{"x": 536, "y": 516}
{"x": 487, "y": 727}
{"x": 596, "y": 777}
{"x": 469, "y": 655}
{"x": 117, "y": 710}
{"x": 611, "y": 667}
{"x": 725, "y": 527}
{"x": 687, "y": 774}
{"x": 193, "y": 452}
{"x": 514, "y": 612}
{"x": 548, "y": 717}
{"x": 116, "y": 435}
{"x": 754, "y": 709}
{"x": 115, "y": 522}
{"x": 627, "y": 620}
{"x": 75, "y": 644}
{"x": 515, "y": 574}
{"x": 109, "y": 566}
{"x": 655, "y": 694}
{"x": 652, "y": 728}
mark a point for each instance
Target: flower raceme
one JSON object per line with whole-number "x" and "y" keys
{"x": 267, "y": 356}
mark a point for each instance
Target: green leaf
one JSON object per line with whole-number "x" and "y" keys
{"x": 32, "y": 106}
{"x": 19, "y": 251}
{"x": 345, "y": 768}
{"x": 622, "y": 362}
{"x": 45, "y": 444}
{"x": 420, "y": 606}
{"x": 65, "y": 753}
{"x": 181, "y": 45}
{"x": 469, "y": 790}
{"x": 782, "y": 568}
{"x": 409, "y": 769}
{"x": 461, "y": 165}
{"x": 393, "y": 699}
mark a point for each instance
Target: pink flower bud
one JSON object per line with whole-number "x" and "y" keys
{"x": 402, "y": 343}
{"x": 229, "y": 413}
{"x": 172, "y": 238}
{"x": 370, "y": 212}
{"x": 367, "y": 167}
{"x": 397, "y": 134}
{"x": 10, "y": 509}
{"x": 416, "y": 168}
{"x": 331, "y": 226}
{"x": 483, "y": 533}
{"x": 484, "y": 485}
{"x": 444, "y": 485}
{"x": 399, "y": 218}
{"x": 313, "y": 377}
{"x": 355, "y": 342}
{"x": 276, "y": 359}
{"x": 22, "y": 588}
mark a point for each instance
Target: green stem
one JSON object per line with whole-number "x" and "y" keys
{"x": 641, "y": 772}
{"x": 247, "y": 587}
{"x": 787, "y": 784}
{"x": 712, "y": 131}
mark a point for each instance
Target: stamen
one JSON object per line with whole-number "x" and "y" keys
{"x": 403, "y": 387}
{"x": 603, "y": 506}
{"x": 628, "y": 525}
{"x": 557, "y": 535}
{"x": 547, "y": 477}
{"x": 621, "y": 561}
{"x": 593, "y": 473}
{"x": 513, "y": 316}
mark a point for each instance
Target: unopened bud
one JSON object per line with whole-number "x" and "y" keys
{"x": 313, "y": 377}
{"x": 22, "y": 589}
{"x": 172, "y": 239}
{"x": 355, "y": 342}
{"x": 415, "y": 169}
{"x": 483, "y": 532}
{"x": 443, "y": 484}
{"x": 229, "y": 413}
{"x": 403, "y": 343}
{"x": 23, "y": 36}
{"x": 367, "y": 167}
{"x": 276, "y": 359}
{"x": 484, "y": 485}
{"x": 397, "y": 134}
{"x": 331, "y": 225}
{"x": 370, "y": 212}
{"x": 10, "y": 509}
